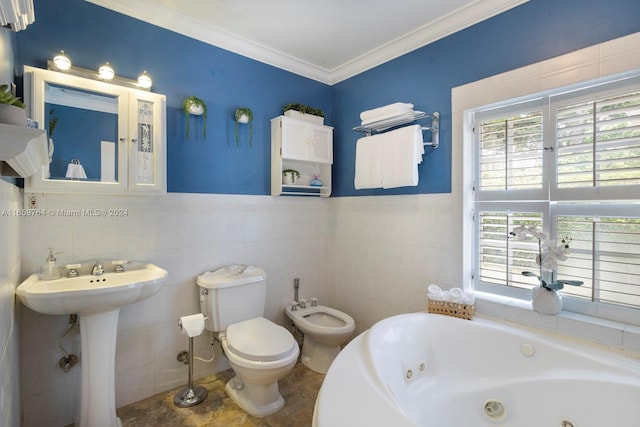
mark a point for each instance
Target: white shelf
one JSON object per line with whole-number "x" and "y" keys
{"x": 305, "y": 187}
{"x": 305, "y": 147}
{"x": 23, "y": 149}
{"x": 298, "y": 190}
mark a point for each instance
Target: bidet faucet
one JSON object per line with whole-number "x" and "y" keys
{"x": 98, "y": 269}
{"x": 296, "y": 286}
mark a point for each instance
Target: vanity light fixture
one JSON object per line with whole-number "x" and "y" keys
{"x": 144, "y": 81}
{"x": 106, "y": 72}
{"x": 61, "y": 61}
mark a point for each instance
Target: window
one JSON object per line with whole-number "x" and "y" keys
{"x": 569, "y": 163}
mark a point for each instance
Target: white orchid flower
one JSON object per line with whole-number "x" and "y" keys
{"x": 520, "y": 232}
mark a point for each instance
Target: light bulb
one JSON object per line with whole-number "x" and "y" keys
{"x": 61, "y": 61}
{"x": 106, "y": 72}
{"x": 144, "y": 80}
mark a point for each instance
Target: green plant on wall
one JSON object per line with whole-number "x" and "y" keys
{"x": 243, "y": 115}
{"x": 194, "y": 105}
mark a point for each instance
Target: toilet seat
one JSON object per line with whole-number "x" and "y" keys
{"x": 259, "y": 339}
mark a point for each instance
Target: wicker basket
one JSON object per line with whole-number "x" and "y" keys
{"x": 454, "y": 309}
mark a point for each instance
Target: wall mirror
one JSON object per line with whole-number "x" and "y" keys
{"x": 85, "y": 125}
{"x": 103, "y": 138}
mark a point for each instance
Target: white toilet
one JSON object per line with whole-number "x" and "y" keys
{"x": 325, "y": 330}
{"x": 259, "y": 351}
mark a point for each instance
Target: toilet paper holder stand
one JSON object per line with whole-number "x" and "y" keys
{"x": 190, "y": 395}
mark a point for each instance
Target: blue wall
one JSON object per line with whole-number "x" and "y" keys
{"x": 534, "y": 31}
{"x": 180, "y": 66}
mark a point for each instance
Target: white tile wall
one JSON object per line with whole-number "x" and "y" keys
{"x": 385, "y": 251}
{"x": 186, "y": 234}
{"x": 10, "y": 201}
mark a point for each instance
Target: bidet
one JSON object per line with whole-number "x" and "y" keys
{"x": 325, "y": 329}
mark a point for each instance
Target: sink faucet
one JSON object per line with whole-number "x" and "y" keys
{"x": 98, "y": 269}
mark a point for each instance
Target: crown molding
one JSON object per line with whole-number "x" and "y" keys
{"x": 189, "y": 26}
{"x": 430, "y": 32}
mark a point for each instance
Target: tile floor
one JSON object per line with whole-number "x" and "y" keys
{"x": 299, "y": 389}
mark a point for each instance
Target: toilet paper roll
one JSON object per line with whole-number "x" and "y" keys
{"x": 192, "y": 325}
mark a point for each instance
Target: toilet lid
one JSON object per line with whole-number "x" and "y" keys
{"x": 259, "y": 339}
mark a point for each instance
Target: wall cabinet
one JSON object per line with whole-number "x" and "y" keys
{"x": 117, "y": 134}
{"x": 305, "y": 147}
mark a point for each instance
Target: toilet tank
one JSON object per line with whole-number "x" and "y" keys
{"x": 231, "y": 294}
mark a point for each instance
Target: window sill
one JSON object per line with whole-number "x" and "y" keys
{"x": 614, "y": 335}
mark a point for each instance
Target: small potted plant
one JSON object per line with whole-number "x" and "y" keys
{"x": 11, "y": 108}
{"x": 544, "y": 297}
{"x": 304, "y": 112}
{"x": 195, "y": 106}
{"x": 244, "y": 115}
{"x": 290, "y": 176}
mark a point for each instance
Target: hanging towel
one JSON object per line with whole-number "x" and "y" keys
{"x": 368, "y": 162}
{"x": 401, "y": 155}
{"x": 395, "y": 109}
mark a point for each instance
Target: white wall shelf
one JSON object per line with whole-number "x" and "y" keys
{"x": 306, "y": 147}
{"x": 23, "y": 150}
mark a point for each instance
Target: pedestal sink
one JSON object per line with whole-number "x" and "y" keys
{"x": 97, "y": 301}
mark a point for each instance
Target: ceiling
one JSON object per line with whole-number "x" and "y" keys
{"x": 327, "y": 40}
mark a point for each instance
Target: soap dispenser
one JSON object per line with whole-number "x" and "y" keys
{"x": 49, "y": 270}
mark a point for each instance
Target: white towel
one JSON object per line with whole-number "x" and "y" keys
{"x": 457, "y": 295}
{"x": 407, "y": 116}
{"x": 402, "y": 151}
{"x": 368, "y": 162}
{"x": 434, "y": 289}
{"x": 397, "y": 108}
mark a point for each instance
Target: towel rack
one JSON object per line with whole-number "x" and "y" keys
{"x": 410, "y": 117}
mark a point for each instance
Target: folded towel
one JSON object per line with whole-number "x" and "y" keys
{"x": 407, "y": 116}
{"x": 457, "y": 295}
{"x": 368, "y": 162}
{"x": 435, "y": 297}
{"x": 434, "y": 289}
{"x": 395, "y": 108}
{"x": 402, "y": 151}
{"x": 468, "y": 298}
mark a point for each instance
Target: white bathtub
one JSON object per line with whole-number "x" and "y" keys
{"x": 436, "y": 371}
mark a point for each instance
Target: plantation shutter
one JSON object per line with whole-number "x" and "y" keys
{"x": 604, "y": 250}
{"x": 502, "y": 259}
{"x": 510, "y": 147}
{"x": 598, "y": 148}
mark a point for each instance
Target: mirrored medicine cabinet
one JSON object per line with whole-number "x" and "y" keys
{"x": 102, "y": 137}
